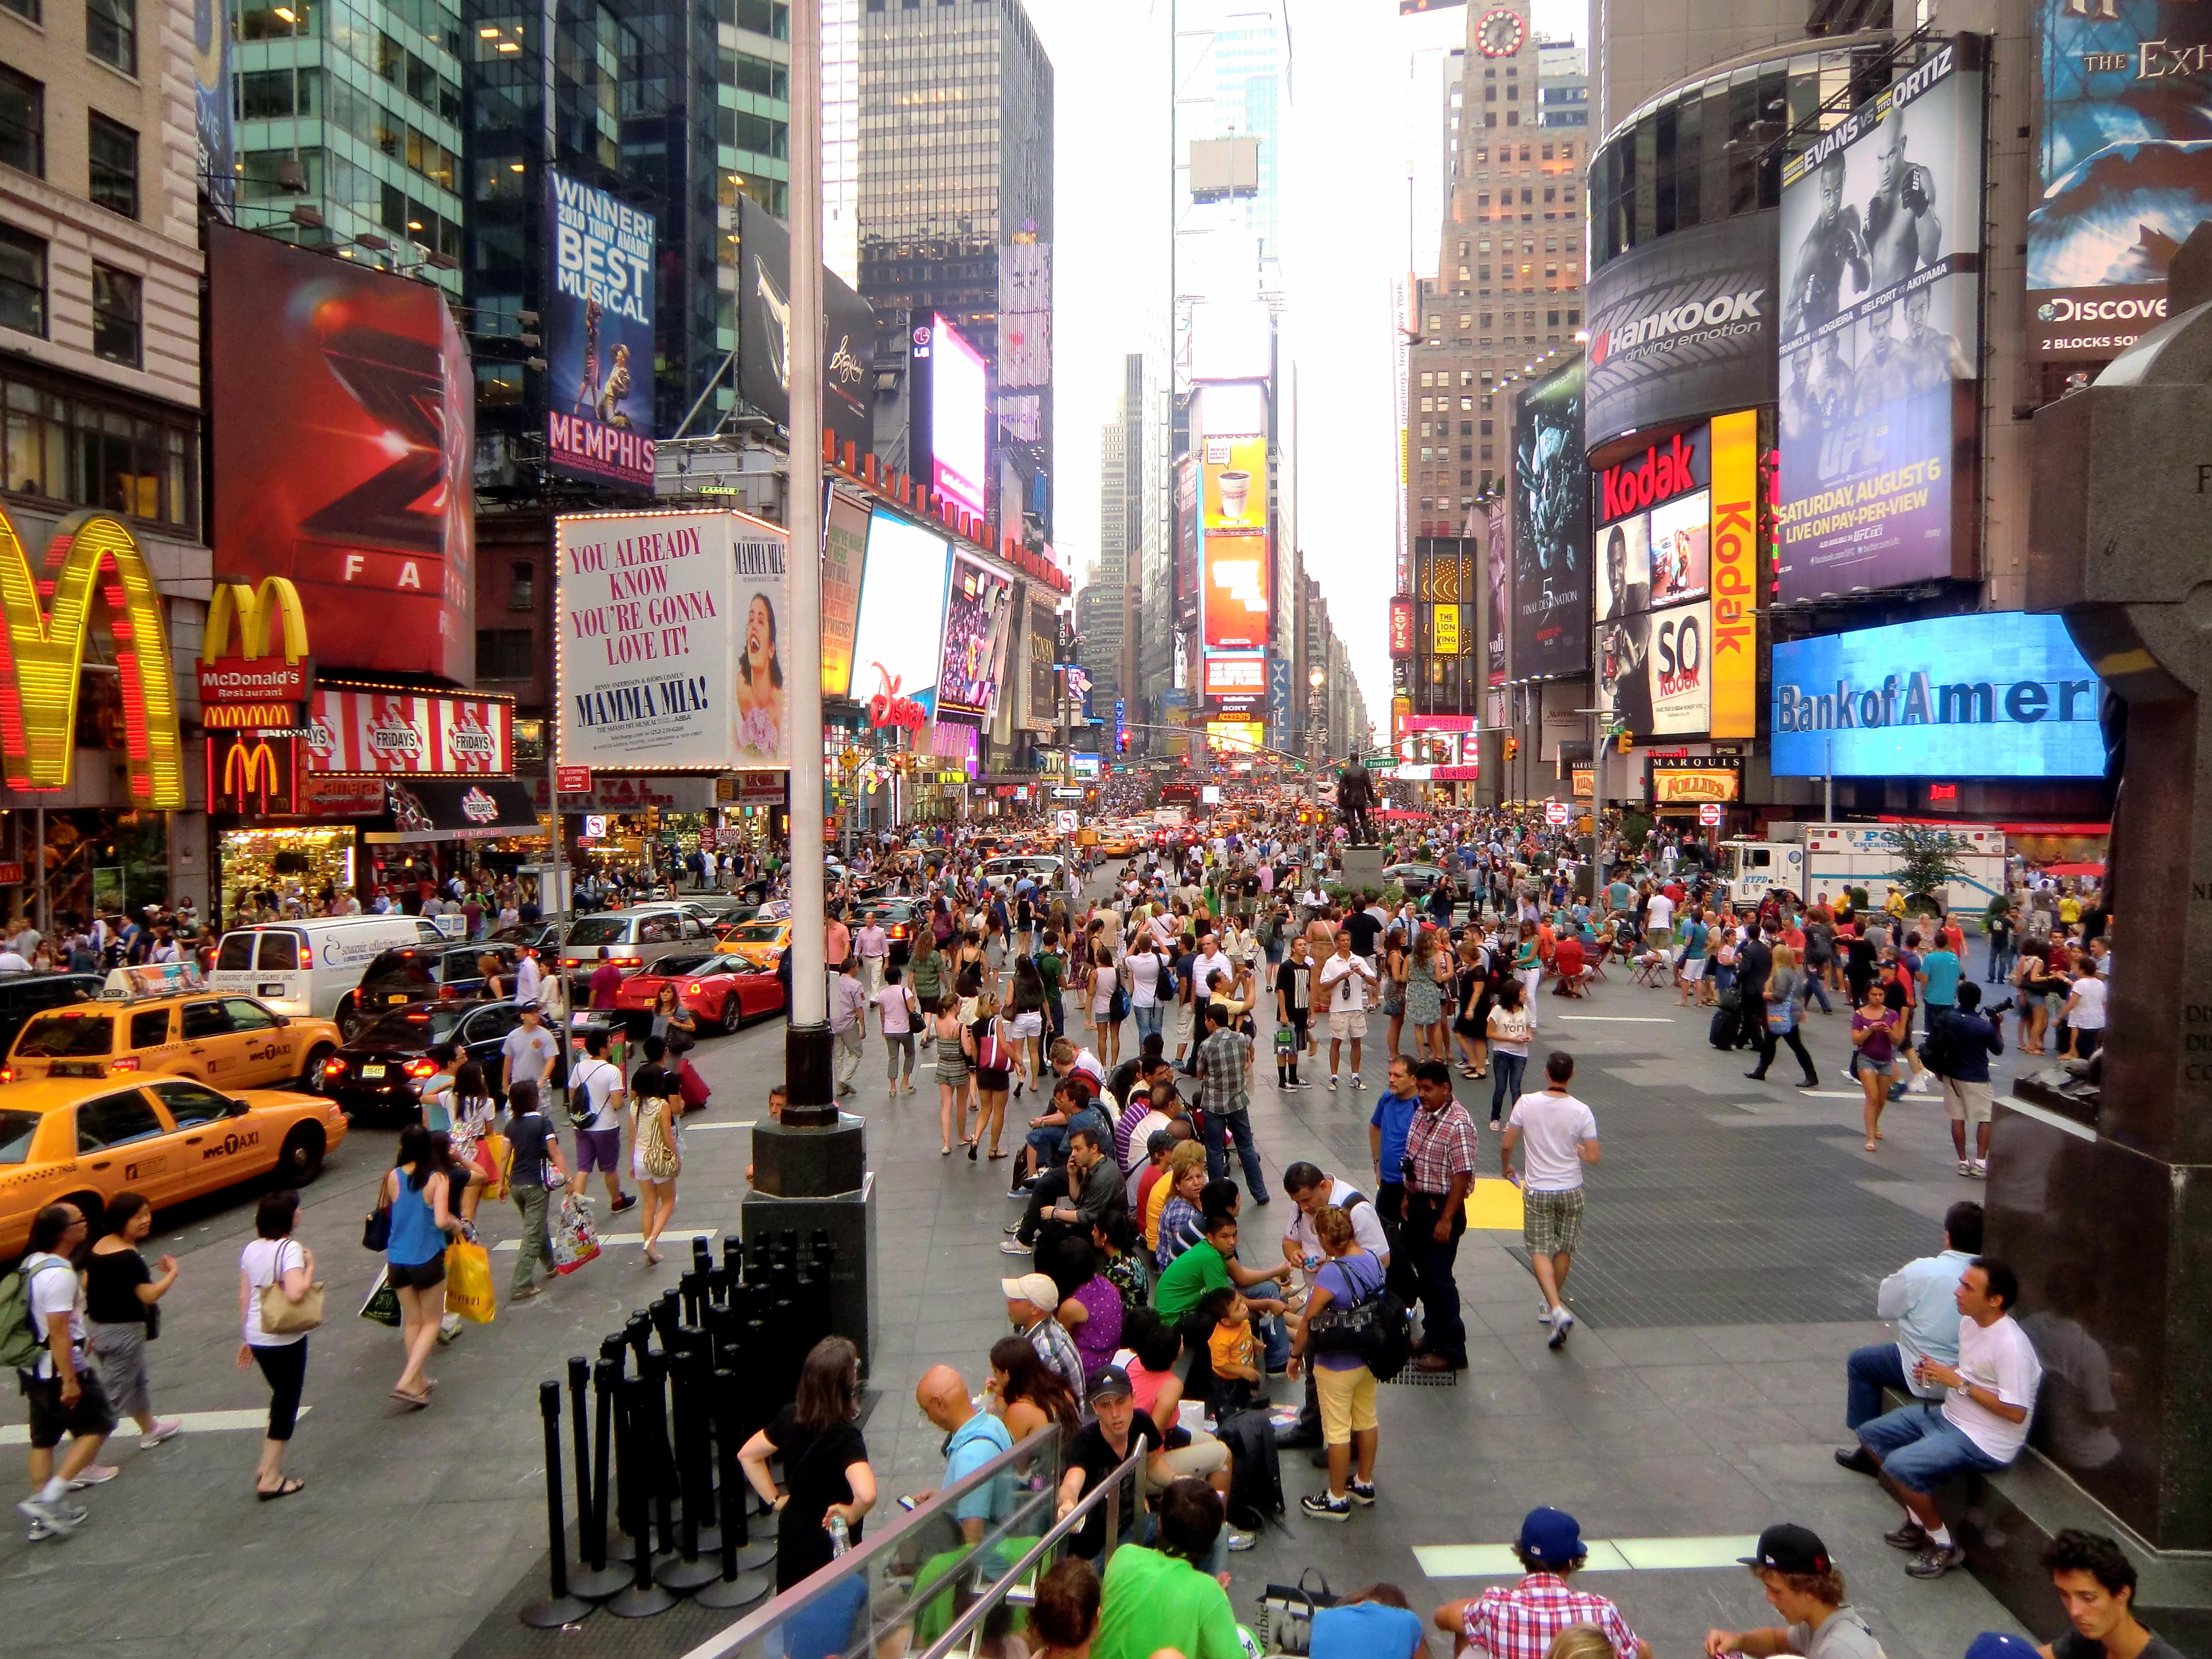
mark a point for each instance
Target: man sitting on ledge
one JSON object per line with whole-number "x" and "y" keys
{"x": 1981, "y": 1424}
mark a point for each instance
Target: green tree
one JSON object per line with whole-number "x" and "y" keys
{"x": 1927, "y": 859}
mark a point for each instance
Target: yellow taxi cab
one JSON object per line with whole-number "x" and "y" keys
{"x": 760, "y": 941}
{"x": 1116, "y": 843}
{"x": 85, "y": 1139}
{"x": 161, "y": 1017}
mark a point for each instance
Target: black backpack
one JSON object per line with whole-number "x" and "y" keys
{"x": 1938, "y": 1049}
{"x": 1255, "y": 1477}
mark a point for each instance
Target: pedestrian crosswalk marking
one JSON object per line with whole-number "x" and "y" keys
{"x": 1617, "y": 1019}
{"x": 1606, "y": 1555}
{"x": 18, "y": 1434}
{"x": 609, "y": 1241}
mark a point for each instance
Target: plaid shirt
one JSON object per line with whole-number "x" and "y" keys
{"x": 1054, "y": 1346}
{"x": 1519, "y": 1623}
{"x": 1440, "y": 1145}
{"x": 1224, "y": 1072}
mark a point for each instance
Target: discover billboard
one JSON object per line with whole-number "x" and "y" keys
{"x": 2003, "y": 693}
{"x": 1683, "y": 325}
{"x": 669, "y": 641}
{"x": 343, "y": 408}
{"x": 2123, "y": 167}
{"x": 1881, "y": 334}
{"x": 598, "y": 335}
{"x": 1551, "y": 529}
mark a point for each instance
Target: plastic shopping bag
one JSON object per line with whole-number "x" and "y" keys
{"x": 468, "y": 1282}
{"x": 575, "y": 1240}
{"x": 492, "y": 1155}
{"x": 383, "y": 1304}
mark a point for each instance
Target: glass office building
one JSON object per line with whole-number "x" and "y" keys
{"x": 955, "y": 164}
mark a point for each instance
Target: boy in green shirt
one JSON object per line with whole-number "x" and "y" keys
{"x": 1162, "y": 1597}
{"x": 1212, "y": 1265}
{"x": 1049, "y": 968}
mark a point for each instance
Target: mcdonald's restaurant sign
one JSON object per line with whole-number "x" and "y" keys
{"x": 253, "y": 772}
{"x": 45, "y": 623}
{"x": 253, "y": 676}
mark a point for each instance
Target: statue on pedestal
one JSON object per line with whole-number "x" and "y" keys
{"x": 1355, "y": 801}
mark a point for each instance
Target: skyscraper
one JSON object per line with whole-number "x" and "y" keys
{"x": 1507, "y": 288}
{"x": 955, "y": 210}
{"x": 1106, "y": 607}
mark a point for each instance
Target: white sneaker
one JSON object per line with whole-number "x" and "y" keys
{"x": 1965, "y": 1167}
{"x": 164, "y": 1428}
{"x": 1240, "y": 1541}
{"x": 449, "y": 1327}
{"x": 59, "y": 1516}
{"x": 1355, "y": 1080}
{"x": 1332, "y": 1079}
{"x": 1560, "y": 1327}
{"x": 1980, "y": 1170}
{"x": 1543, "y": 1313}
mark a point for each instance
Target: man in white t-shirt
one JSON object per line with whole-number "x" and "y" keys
{"x": 596, "y": 1096}
{"x": 1561, "y": 1133}
{"x": 1345, "y": 979}
{"x": 63, "y": 1386}
{"x": 1311, "y": 1189}
{"x": 1210, "y": 957}
{"x": 1980, "y": 1425}
{"x": 529, "y": 978}
{"x": 874, "y": 946}
{"x": 2085, "y": 1010}
{"x": 1659, "y": 919}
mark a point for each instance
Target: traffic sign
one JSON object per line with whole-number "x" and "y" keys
{"x": 1709, "y": 814}
{"x": 1066, "y": 821}
{"x": 1555, "y": 812}
{"x": 573, "y": 780}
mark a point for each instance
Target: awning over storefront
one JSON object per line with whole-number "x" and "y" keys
{"x": 454, "y": 809}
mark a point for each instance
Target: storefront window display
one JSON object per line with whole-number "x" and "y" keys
{"x": 97, "y": 860}
{"x": 293, "y": 870}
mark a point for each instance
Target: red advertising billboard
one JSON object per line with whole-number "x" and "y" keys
{"x": 1236, "y": 599}
{"x": 1401, "y": 627}
{"x": 343, "y": 405}
{"x": 400, "y": 732}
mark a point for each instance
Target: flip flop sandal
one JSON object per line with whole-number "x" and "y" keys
{"x": 413, "y": 1401}
{"x": 285, "y": 1489}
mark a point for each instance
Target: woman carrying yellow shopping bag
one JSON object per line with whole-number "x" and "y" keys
{"x": 468, "y": 1282}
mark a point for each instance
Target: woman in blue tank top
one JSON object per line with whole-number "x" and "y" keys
{"x": 415, "y": 1255}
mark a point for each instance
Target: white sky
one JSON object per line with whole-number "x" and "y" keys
{"x": 1343, "y": 221}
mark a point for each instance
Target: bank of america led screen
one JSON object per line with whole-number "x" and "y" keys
{"x": 2123, "y": 165}
{"x": 1881, "y": 334}
{"x": 1997, "y": 695}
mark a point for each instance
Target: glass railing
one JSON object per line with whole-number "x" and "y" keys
{"x": 947, "y": 1566}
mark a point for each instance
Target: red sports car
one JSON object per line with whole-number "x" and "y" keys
{"x": 723, "y": 991}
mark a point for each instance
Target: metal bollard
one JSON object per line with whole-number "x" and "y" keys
{"x": 666, "y": 1315}
{"x": 641, "y": 1598}
{"x": 596, "y": 1579}
{"x": 688, "y": 1572}
{"x": 702, "y": 1257}
{"x": 733, "y": 1257}
{"x": 658, "y": 1460}
{"x": 559, "y": 1607}
{"x": 742, "y": 1581}
{"x": 691, "y": 1292}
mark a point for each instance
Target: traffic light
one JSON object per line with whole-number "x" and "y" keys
{"x": 1512, "y": 747}
{"x": 1622, "y": 743}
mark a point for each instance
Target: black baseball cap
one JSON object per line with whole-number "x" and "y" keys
{"x": 1789, "y": 1548}
{"x": 1110, "y": 1382}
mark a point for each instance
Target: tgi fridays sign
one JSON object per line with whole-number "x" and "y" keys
{"x": 389, "y": 732}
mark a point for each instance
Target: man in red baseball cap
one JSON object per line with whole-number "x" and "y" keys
{"x": 1802, "y": 1585}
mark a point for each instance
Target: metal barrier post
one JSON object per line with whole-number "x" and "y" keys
{"x": 642, "y": 1598}
{"x": 738, "y": 1585}
{"x": 559, "y": 1607}
{"x": 596, "y": 1580}
{"x": 687, "y": 1572}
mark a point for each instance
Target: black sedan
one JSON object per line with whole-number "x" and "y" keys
{"x": 382, "y": 1066}
{"x": 1415, "y": 879}
{"x": 898, "y": 918}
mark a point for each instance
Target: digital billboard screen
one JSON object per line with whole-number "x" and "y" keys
{"x": 2124, "y": 168}
{"x": 599, "y": 334}
{"x": 1551, "y": 529}
{"x": 959, "y": 405}
{"x": 844, "y": 557}
{"x": 673, "y": 631}
{"x": 1997, "y": 694}
{"x": 343, "y": 407}
{"x": 1498, "y": 573}
{"x": 902, "y": 625}
{"x": 848, "y": 334}
{"x": 978, "y": 607}
{"x": 1881, "y": 333}
{"x": 1236, "y": 601}
{"x": 1044, "y": 649}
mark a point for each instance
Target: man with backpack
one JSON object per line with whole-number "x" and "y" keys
{"x": 44, "y": 1338}
{"x": 595, "y": 1107}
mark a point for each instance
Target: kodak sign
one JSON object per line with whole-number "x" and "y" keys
{"x": 1660, "y": 476}
{"x": 45, "y": 623}
{"x": 1735, "y": 575}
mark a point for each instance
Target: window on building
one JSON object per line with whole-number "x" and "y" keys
{"x": 22, "y": 290}
{"x": 499, "y": 385}
{"x": 522, "y": 585}
{"x": 73, "y": 451}
{"x": 117, "y": 304}
{"x": 22, "y": 123}
{"x": 28, "y": 9}
{"x": 503, "y": 653}
{"x": 111, "y": 33}
{"x": 113, "y": 150}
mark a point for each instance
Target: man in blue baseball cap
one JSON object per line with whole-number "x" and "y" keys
{"x": 1802, "y": 1585}
{"x": 1519, "y": 1623}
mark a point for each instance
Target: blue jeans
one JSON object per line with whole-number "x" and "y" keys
{"x": 2002, "y": 958}
{"x": 1869, "y": 1370}
{"x": 1051, "y": 1144}
{"x": 1920, "y": 1447}
{"x": 1505, "y": 1071}
{"x": 1148, "y": 1021}
{"x": 1816, "y": 990}
{"x": 1248, "y": 1151}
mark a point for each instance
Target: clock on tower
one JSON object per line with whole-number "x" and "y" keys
{"x": 1500, "y": 33}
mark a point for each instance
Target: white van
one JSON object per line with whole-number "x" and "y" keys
{"x": 313, "y": 966}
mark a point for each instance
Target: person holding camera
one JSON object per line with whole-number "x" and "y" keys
{"x": 1959, "y": 1043}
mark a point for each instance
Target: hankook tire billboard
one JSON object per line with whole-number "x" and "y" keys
{"x": 1682, "y": 327}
